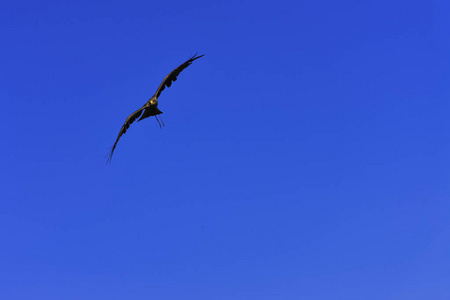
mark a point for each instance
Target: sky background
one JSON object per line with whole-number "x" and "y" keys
{"x": 306, "y": 156}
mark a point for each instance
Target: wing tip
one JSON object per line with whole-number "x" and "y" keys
{"x": 110, "y": 154}
{"x": 195, "y": 56}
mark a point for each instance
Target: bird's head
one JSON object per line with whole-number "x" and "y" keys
{"x": 154, "y": 102}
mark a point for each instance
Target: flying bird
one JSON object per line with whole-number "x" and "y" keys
{"x": 151, "y": 107}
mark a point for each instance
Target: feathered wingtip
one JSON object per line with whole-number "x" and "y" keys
{"x": 110, "y": 154}
{"x": 194, "y": 57}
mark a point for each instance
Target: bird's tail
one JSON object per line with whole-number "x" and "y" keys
{"x": 149, "y": 112}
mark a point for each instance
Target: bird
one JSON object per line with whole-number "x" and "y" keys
{"x": 150, "y": 108}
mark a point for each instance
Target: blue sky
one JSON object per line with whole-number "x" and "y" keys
{"x": 306, "y": 156}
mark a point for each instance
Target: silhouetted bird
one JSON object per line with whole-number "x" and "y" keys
{"x": 151, "y": 107}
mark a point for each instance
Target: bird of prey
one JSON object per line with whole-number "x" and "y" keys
{"x": 151, "y": 107}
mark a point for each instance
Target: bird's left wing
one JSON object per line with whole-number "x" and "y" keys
{"x": 174, "y": 74}
{"x": 131, "y": 118}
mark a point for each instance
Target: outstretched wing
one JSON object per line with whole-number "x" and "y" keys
{"x": 131, "y": 118}
{"x": 174, "y": 74}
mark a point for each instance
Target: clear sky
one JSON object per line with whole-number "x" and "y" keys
{"x": 305, "y": 156}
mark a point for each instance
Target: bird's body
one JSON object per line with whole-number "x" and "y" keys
{"x": 151, "y": 107}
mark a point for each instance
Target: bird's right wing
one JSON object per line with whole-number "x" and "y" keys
{"x": 131, "y": 118}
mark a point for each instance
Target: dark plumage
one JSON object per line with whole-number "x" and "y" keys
{"x": 151, "y": 107}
